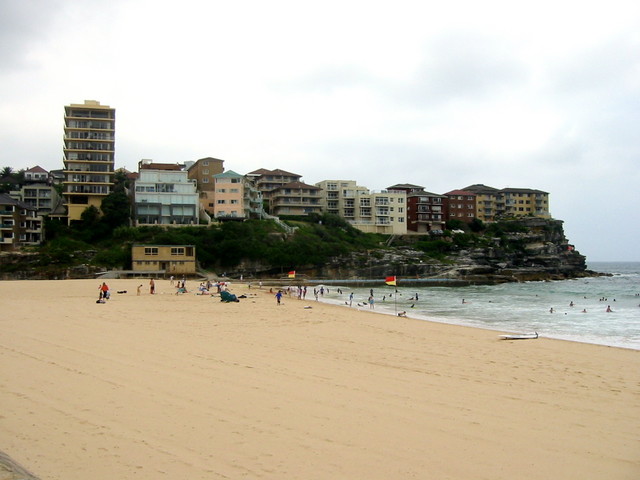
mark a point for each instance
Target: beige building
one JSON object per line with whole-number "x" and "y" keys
{"x": 166, "y": 259}
{"x": 89, "y": 149}
{"x": 295, "y": 198}
{"x": 371, "y": 212}
{"x": 269, "y": 180}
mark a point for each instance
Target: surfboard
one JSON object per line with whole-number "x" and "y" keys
{"x": 524, "y": 336}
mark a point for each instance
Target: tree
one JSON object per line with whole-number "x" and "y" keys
{"x": 476, "y": 225}
{"x": 116, "y": 209}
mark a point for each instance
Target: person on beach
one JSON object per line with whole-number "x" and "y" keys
{"x": 351, "y": 299}
{"x": 551, "y": 310}
{"x": 609, "y": 309}
{"x": 171, "y": 281}
{"x": 402, "y": 314}
{"x": 139, "y": 287}
{"x": 371, "y": 302}
{"x": 152, "y": 287}
{"x": 104, "y": 291}
{"x": 278, "y": 297}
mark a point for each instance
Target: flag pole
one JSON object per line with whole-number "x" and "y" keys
{"x": 395, "y": 296}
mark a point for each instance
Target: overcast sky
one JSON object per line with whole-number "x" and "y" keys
{"x": 445, "y": 94}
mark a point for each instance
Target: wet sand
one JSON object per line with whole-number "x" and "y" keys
{"x": 166, "y": 386}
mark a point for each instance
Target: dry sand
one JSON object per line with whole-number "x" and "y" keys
{"x": 187, "y": 387}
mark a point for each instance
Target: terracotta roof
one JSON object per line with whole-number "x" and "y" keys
{"x": 37, "y": 169}
{"x": 299, "y": 185}
{"x": 277, "y": 171}
{"x": 480, "y": 188}
{"x": 460, "y": 192}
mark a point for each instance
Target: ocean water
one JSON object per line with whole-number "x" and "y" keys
{"x": 523, "y": 307}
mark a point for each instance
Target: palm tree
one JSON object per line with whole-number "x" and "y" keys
{"x": 6, "y": 172}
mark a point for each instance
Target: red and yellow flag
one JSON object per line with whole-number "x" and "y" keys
{"x": 292, "y": 274}
{"x": 390, "y": 280}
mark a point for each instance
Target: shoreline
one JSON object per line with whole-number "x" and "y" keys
{"x": 459, "y": 322}
{"x": 186, "y": 386}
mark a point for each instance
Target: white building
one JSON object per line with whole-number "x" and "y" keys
{"x": 164, "y": 195}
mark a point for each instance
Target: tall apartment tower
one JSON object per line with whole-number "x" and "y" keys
{"x": 89, "y": 147}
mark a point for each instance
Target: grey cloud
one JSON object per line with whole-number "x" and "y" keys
{"x": 23, "y": 23}
{"x": 464, "y": 67}
{"x": 329, "y": 79}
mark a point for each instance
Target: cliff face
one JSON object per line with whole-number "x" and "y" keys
{"x": 528, "y": 249}
{"x": 540, "y": 252}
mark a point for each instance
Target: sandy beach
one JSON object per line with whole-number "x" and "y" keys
{"x": 166, "y": 386}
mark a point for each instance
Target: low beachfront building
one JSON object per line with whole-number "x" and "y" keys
{"x": 164, "y": 259}
{"x": 164, "y": 195}
{"x": 20, "y": 225}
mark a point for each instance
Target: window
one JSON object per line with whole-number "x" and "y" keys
{"x": 205, "y": 171}
{"x": 221, "y": 190}
{"x": 150, "y": 250}
{"x": 205, "y": 180}
{"x": 221, "y": 202}
{"x": 177, "y": 251}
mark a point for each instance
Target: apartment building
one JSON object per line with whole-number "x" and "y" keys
{"x": 339, "y": 197}
{"x": 493, "y": 204}
{"x": 371, "y": 212}
{"x": 269, "y": 180}
{"x": 460, "y": 205}
{"x": 37, "y": 191}
{"x": 20, "y": 225}
{"x": 235, "y": 197}
{"x": 522, "y": 202}
{"x": 486, "y": 201}
{"x": 164, "y": 195}
{"x": 89, "y": 150}
{"x": 425, "y": 211}
{"x": 295, "y": 198}
{"x": 203, "y": 172}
